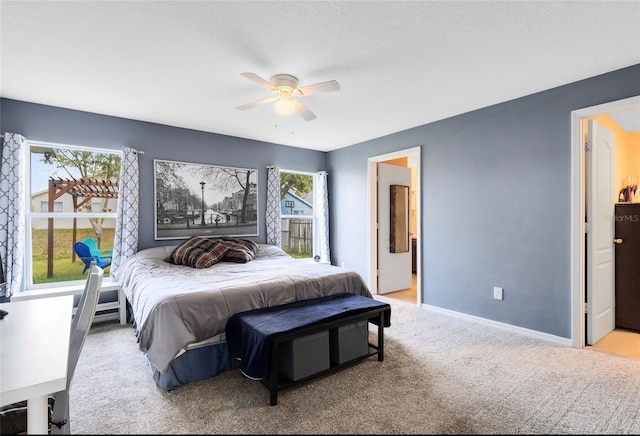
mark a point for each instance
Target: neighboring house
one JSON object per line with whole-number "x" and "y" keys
{"x": 64, "y": 204}
{"x": 291, "y": 204}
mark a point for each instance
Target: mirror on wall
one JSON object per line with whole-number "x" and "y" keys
{"x": 399, "y": 232}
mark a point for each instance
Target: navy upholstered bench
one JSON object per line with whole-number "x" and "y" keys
{"x": 256, "y": 338}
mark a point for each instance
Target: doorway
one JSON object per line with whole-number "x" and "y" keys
{"x": 581, "y": 268}
{"x": 411, "y": 159}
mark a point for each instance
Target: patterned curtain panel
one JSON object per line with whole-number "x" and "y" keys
{"x": 273, "y": 206}
{"x": 126, "y": 235}
{"x": 321, "y": 215}
{"x": 13, "y": 210}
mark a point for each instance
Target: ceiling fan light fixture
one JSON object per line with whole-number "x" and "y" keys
{"x": 284, "y": 107}
{"x": 283, "y": 86}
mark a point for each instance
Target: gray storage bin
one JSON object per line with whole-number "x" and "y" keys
{"x": 349, "y": 342}
{"x": 304, "y": 356}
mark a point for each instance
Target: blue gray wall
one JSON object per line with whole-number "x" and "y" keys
{"x": 51, "y": 124}
{"x": 495, "y": 191}
{"x": 495, "y": 186}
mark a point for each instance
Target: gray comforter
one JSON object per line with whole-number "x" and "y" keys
{"x": 176, "y": 305}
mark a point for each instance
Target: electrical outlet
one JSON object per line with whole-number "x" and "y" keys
{"x": 497, "y": 293}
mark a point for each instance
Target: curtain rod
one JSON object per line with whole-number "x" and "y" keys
{"x": 134, "y": 150}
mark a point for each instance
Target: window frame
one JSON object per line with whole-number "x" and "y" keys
{"x": 30, "y": 215}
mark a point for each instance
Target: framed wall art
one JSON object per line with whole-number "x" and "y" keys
{"x": 204, "y": 200}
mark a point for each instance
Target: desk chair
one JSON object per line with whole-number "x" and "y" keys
{"x": 84, "y": 253}
{"x": 102, "y": 254}
{"x": 13, "y": 417}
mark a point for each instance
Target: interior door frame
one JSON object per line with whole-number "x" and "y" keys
{"x": 578, "y": 193}
{"x": 372, "y": 243}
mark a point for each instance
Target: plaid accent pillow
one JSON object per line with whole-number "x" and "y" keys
{"x": 239, "y": 250}
{"x": 242, "y": 243}
{"x": 200, "y": 252}
{"x": 205, "y": 255}
{"x": 238, "y": 255}
{"x": 208, "y": 244}
{"x": 179, "y": 254}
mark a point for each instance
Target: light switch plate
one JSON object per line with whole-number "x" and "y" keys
{"x": 497, "y": 293}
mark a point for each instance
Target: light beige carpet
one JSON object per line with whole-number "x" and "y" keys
{"x": 441, "y": 375}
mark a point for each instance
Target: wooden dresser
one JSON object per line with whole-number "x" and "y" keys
{"x": 627, "y": 269}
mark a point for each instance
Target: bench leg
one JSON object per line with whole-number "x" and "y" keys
{"x": 273, "y": 375}
{"x": 273, "y": 397}
{"x": 381, "y": 337}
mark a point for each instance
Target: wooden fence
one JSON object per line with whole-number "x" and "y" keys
{"x": 298, "y": 238}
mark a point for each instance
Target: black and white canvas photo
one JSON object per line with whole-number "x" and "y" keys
{"x": 204, "y": 200}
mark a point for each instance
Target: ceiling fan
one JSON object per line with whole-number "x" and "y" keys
{"x": 284, "y": 86}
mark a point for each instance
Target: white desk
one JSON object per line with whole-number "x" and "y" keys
{"x": 34, "y": 350}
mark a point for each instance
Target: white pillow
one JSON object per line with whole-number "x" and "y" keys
{"x": 269, "y": 251}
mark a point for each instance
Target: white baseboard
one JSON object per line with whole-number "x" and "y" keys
{"x": 528, "y": 332}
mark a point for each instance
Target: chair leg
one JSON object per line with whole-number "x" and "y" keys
{"x": 60, "y": 417}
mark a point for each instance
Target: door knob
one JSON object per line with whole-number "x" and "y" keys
{"x": 617, "y": 241}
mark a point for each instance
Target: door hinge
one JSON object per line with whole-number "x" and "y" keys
{"x": 587, "y": 228}
{"x": 587, "y": 308}
{"x": 377, "y": 273}
{"x": 587, "y": 146}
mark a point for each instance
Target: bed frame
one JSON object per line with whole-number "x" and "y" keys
{"x": 197, "y": 363}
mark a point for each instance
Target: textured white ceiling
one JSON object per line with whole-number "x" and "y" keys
{"x": 400, "y": 64}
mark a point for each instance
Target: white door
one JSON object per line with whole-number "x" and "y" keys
{"x": 600, "y": 218}
{"x": 394, "y": 269}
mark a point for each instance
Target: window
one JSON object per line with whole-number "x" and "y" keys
{"x": 96, "y": 206}
{"x": 44, "y": 206}
{"x": 296, "y": 213}
{"x": 73, "y": 195}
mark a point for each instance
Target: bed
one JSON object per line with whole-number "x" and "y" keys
{"x": 179, "y": 312}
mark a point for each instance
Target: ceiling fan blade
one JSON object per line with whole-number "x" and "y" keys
{"x": 259, "y": 80}
{"x": 331, "y": 85}
{"x": 257, "y": 103}
{"x": 303, "y": 110}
